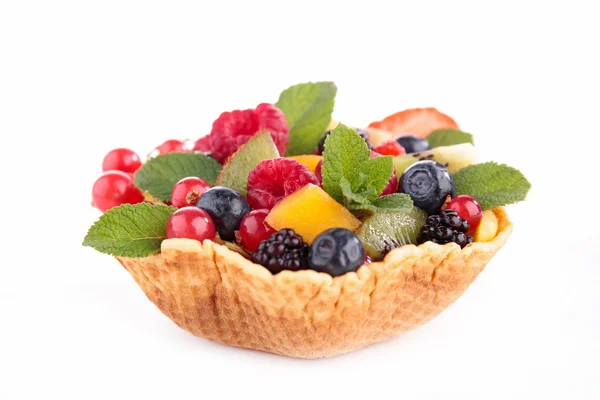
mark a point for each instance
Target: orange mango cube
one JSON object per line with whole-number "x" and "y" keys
{"x": 487, "y": 228}
{"x": 309, "y": 211}
{"x": 309, "y": 160}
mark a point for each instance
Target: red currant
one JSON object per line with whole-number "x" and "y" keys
{"x": 467, "y": 208}
{"x": 254, "y": 229}
{"x": 114, "y": 188}
{"x": 171, "y": 146}
{"x": 187, "y": 191}
{"x": 391, "y": 148}
{"x": 121, "y": 160}
{"x": 191, "y": 223}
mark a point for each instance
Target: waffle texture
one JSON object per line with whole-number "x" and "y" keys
{"x": 217, "y": 294}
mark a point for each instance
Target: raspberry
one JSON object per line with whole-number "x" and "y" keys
{"x": 232, "y": 129}
{"x": 445, "y": 228}
{"x": 282, "y": 250}
{"x": 204, "y": 144}
{"x": 319, "y": 172}
{"x": 274, "y": 179}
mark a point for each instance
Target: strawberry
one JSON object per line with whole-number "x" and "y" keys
{"x": 417, "y": 121}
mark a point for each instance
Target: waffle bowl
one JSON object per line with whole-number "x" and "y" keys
{"x": 216, "y": 293}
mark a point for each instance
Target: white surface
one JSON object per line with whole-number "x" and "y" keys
{"x": 80, "y": 78}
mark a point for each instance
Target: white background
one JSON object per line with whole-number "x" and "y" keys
{"x": 80, "y": 78}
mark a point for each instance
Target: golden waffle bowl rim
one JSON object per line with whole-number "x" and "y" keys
{"x": 191, "y": 245}
{"x": 419, "y": 263}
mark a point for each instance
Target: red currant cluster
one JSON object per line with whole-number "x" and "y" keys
{"x": 222, "y": 210}
{"x": 190, "y": 222}
{"x": 115, "y": 186}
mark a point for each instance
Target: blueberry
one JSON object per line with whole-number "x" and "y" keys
{"x": 413, "y": 144}
{"x": 336, "y": 251}
{"x": 428, "y": 183}
{"x": 226, "y": 207}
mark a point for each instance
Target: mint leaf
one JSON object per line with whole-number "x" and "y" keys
{"x": 448, "y": 137}
{"x": 391, "y": 202}
{"x": 349, "y": 175}
{"x": 130, "y": 230}
{"x": 344, "y": 154}
{"x": 307, "y": 108}
{"x": 492, "y": 184}
{"x": 349, "y": 195}
{"x": 378, "y": 172}
{"x": 158, "y": 175}
{"x": 235, "y": 173}
{"x": 396, "y": 201}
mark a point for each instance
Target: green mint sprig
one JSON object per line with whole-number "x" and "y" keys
{"x": 354, "y": 179}
{"x": 492, "y": 184}
{"x": 448, "y": 137}
{"x": 160, "y": 174}
{"x": 130, "y": 230}
{"x": 307, "y": 108}
{"x": 391, "y": 202}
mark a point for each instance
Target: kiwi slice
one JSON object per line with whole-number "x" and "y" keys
{"x": 235, "y": 172}
{"x": 454, "y": 157}
{"x": 385, "y": 231}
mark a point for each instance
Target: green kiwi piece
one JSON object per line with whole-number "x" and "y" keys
{"x": 385, "y": 231}
{"x": 454, "y": 157}
{"x": 235, "y": 172}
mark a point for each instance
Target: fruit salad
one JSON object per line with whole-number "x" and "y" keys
{"x": 289, "y": 188}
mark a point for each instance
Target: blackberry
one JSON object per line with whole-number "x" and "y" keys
{"x": 444, "y": 228}
{"x": 282, "y": 250}
{"x": 362, "y": 133}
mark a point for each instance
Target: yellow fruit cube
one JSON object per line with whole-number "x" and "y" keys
{"x": 309, "y": 211}
{"x": 309, "y": 160}
{"x": 488, "y": 227}
{"x": 332, "y": 124}
{"x": 378, "y": 136}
